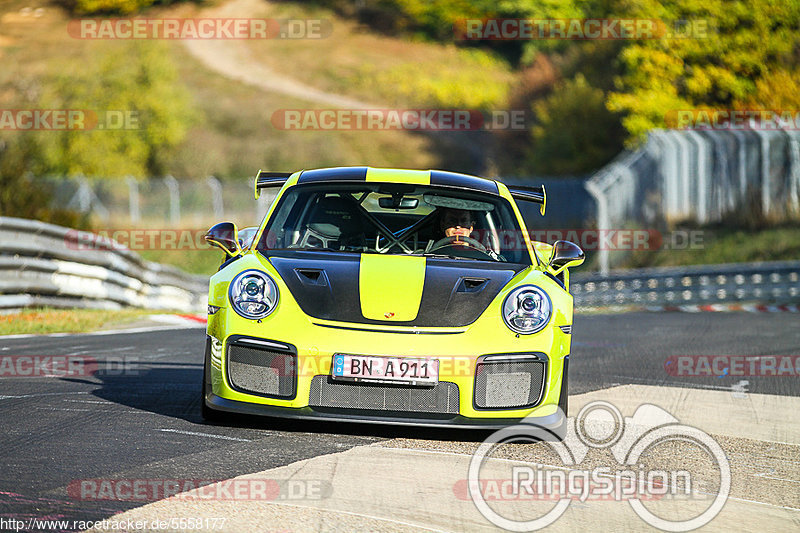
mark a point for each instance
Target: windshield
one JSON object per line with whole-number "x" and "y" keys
{"x": 395, "y": 219}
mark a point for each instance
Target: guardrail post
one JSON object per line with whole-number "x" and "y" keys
{"x": 741, "y": 143}
{"x": 794, "y": 171}
{"x": 702, "y": 175}
{"x": 216, "y": 197}
{"x": 174, "y": 199}
{"x": 133, "y": 199}
{"x": 669, "y": 173}
{"x": 684, "y": 173}
{"x": 766, "y": 201}
{"x": 603, "y": 222}
{"x": 86, "y": 200}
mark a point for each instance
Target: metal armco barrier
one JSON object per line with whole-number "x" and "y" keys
{"x": 773, "y": 282}
{"x": 42, "y": 265}
{"x": 702, "y": 176}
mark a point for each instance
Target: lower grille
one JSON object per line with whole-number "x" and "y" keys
{"x": 261, "y": 371}
{"x": 442, "y": 398}
{"x": 509, "y": 384}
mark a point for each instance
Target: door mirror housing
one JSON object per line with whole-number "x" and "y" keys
{"x": 566, "y": 254}
{"x": 225, "y": 235}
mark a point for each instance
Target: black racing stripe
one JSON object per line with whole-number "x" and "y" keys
{"x": 334, "y": 294}
{"x": 333, "y": 174}
{"x": 463, "y": 181}
{"x": 326, "y": 286}
{"x": 446, "y": 300}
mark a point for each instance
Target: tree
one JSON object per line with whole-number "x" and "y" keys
{"x": 575, "y": 133}
{"x": 747, "y": 43}
{"x": 138, "y": 82}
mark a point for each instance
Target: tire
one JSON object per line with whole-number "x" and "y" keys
{"x": 208, "y": 414}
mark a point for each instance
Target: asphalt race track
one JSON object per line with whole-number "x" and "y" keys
{"x": 137, "y": 416}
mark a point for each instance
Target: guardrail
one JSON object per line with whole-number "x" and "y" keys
{"x": 43, "y": 265}
{"x": 703, "y": 176}
{"x": 766, "y": 283}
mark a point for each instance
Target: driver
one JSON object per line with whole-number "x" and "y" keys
{"x": 455, "y": 227}
{"x": 456, "y": 223}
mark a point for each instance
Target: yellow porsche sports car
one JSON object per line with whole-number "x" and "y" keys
{"x": 390, "y": 296}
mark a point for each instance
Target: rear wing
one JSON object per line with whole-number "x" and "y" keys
{"x": 529, "y": 194}
{"x": 266, "y": 179}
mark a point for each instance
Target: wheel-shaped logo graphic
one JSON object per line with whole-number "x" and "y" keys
{"x": 601, "y": 425}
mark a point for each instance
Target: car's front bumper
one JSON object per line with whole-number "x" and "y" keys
{"x": 553, "y": 422}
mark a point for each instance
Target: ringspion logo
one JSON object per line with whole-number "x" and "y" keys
{"x": 639, "y": 474}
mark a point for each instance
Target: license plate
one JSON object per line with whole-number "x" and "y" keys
{"x": 410, "y": 371}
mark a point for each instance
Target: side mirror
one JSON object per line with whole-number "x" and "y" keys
{"x": 566, "y": 255}
{"x": 225, "y": 235}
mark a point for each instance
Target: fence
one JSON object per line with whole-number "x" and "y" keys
{"x": 203, "y": 202}
{"x": 703, "y": 176}
{"x": 162, "y": 202}
{"x": 41, "y": 265}
{"x": 767, "y": 283}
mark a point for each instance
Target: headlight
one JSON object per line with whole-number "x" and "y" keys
{"x": 527, "y": 309}
{"x": 253, "y": 294}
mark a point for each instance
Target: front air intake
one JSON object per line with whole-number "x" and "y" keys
{"x": 509, "y": 381}
{"x": 441, "y": 398}
{"x": 262, "y": 367}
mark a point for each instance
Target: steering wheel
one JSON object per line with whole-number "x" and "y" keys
{"x": 464, "y": 243}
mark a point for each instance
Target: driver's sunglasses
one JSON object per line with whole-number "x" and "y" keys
{"x": 462, "y": 221}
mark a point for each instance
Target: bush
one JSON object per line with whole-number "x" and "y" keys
{"x": 23, "y": 197}
{"x": 137, "y": 80}
{"x": 462, "y": 84}
{"x": 110, "y": 7}
{"x": 575, "y": 133}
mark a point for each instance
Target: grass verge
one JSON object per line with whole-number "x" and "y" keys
{"x": 204, "y": 262}
{"x": 46, "y": 320}
{"x": 718, "y": 244}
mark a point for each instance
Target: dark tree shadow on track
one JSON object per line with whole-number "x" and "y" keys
{"x": 173, "y": 390}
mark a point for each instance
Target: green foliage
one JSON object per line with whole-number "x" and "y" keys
{"x": 122, "y": 7}
{"x": 430, "y": 19}
{"x": 137, "y": 81}
{"x": 575, "y": 133}
{"x": 463, "y": 84}
{"x": 748, "y": 43}
{"x": 21, "y": 196}
{"x": 437, "y": 19}
{"x": 111, "y": 7}
{"x": 540, "y": 9}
